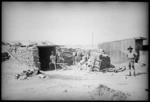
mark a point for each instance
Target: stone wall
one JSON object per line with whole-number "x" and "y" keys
{"x": 28, "y": 56}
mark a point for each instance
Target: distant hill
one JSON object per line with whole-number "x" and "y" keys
{"x": 82, "y": 46}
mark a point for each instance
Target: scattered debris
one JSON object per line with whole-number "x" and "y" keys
{"x": 27, "y": 74}
{"x": 116, "y": 69}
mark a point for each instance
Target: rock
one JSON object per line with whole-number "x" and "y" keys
{"x": 42, "y": 76}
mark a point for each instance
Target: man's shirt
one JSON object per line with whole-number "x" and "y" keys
{"x": 53, "y": 58}
{"x": 131, "y": 55}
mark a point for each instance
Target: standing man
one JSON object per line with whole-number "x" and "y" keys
{"x": 53, "y": 59}
{"x": 131, "y": 58}
{"x": 74, "y": 55}
{"x": 88, "y": 54}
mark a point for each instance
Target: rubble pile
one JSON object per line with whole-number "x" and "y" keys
{"x": 103, "y": 92}
{"x": 28, "y": 74}
{"x": 115, "y": 69}
{"x": 97, "y": 61}
{"x": 100, "y": 60}
{"x": 28, "y": 56}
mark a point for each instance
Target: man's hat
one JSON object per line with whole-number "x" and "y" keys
{"x": 130, "y": 48}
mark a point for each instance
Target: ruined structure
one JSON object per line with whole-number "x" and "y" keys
{"x": 35, "y": 55}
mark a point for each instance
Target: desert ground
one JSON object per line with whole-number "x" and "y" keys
{"x": 71, "y": 84}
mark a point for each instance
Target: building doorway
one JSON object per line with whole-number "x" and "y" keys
{"x": 44, "y": 56}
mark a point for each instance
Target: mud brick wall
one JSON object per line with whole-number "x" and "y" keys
{"x": 28, "y": 56}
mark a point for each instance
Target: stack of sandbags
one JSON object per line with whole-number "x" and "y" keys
{"x": 105, "y": 61}
{"x": 35, "y": 55}
{"x": 99, "y": 60}
{"x": 28, "y": 56}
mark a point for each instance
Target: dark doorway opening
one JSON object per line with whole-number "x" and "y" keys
{"x": 44, "y": 57}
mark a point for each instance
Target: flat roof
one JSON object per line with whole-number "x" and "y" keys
{"x": 47, "y": 45}
{"x": 137, "y": 38}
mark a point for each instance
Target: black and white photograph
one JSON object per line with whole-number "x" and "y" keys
{"x": 75, "y": 51}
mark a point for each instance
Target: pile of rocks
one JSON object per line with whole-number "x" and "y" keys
{"x": 28, "y": 74}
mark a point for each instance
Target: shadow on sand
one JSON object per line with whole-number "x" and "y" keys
{"x": 139, "y": 73}
{"x": 50, "y": 68}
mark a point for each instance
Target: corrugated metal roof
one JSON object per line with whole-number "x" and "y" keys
{"x": 137, "y": 38}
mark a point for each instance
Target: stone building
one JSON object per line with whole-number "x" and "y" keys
{"x": 33, "y": 54}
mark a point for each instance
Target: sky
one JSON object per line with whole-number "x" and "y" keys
{"x": 74, "y": 22}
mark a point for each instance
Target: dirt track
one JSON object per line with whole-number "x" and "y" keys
{"x": 70, "y": 84}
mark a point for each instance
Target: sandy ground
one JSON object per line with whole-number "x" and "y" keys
{"x": 70, "y": 84}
